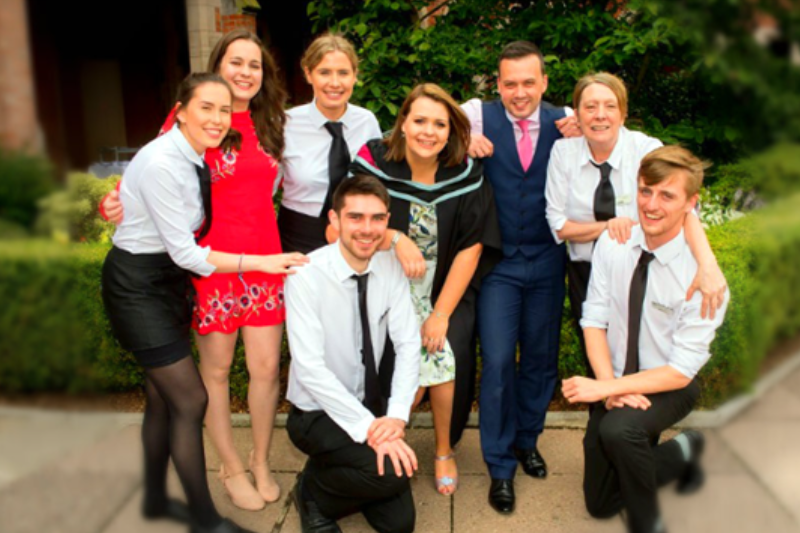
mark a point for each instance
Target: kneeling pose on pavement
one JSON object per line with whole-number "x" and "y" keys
{"x": 350, "y": 404}
{"x": 645, "y": 343}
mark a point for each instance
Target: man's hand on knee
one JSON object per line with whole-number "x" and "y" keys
{"x": 385, "y": 429}
{"x": 636, "y": 401}
{"x": 402, "y": 456}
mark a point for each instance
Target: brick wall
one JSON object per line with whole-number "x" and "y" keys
{"x": 19, "y": 127}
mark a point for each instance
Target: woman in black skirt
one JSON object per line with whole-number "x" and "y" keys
{"x": 166, "y": 196}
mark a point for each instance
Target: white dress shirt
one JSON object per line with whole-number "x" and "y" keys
{"x": 163, "y": 205}
{"x": 305, "y": 158}
{"x": 572, "y": 180}
{"x": 474, "y": 110}
{"x": 672, "y": 332}
{"x": 324, "y": 328}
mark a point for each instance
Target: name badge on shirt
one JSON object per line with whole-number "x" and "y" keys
{"x": 624, "y": 199}
{"x": 663, "y": 308}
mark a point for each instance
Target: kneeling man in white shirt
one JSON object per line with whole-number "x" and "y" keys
{"x": 645, "y": 344}
{"x": 351, "y": 404}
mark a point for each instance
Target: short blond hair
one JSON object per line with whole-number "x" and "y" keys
{"x": 325, "y": 44}
{"x": 614, "y": 83}
{"x": 662, "y": 163}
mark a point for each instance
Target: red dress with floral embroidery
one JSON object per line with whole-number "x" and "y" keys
{"x": 243, "y": 222}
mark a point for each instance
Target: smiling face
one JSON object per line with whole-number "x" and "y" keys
{"x": 663, "y": 207}
{"x": 206, "y": 118}
{"x": 521, "y": 85}
{"x": 241, "y": 67}
{"x": 361, "y": 223}
{"x": 600, "y": 117}
{"x": 426, "y": 129}
{"x": 332, "y": 79}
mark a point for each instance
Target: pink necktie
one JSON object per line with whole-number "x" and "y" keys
{"x": 525, "y": 146}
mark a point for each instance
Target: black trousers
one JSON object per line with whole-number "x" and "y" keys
{"x": 342, "y": 475}
{"x": 578, "y": 274}
{"x": 625, "y": 465}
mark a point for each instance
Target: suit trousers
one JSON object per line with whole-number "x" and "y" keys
{"x": 521, "y": 300}
{"x": 625, "y": 465}
{"x": 341, "y": 475}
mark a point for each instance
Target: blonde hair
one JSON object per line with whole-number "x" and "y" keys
{"x": 324, "y": 44}
{"x": 614, "y": 83}
{"x": 457, "y": 143}
{"x": 662, "y": 163}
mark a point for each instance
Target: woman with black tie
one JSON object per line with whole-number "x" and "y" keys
{"x": 145, "y": 285}
{"x": 592, "y": 183}
{"x": 322, "y": 137}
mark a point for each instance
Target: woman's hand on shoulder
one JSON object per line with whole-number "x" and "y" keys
{"x": 410, "y": 257}
{"x": 619, "y": 228}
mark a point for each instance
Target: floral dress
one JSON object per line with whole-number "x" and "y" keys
{"x": 440, "y": 367}
{"x": 243, "y": 223}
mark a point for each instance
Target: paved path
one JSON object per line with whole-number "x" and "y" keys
{"x": 82, "y": 474}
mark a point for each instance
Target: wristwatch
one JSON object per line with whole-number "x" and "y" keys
{"x": 395, "y": 238}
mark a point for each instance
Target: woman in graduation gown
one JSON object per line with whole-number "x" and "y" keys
{"x": 442, "y": 203}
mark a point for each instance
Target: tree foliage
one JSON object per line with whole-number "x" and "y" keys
{"x": 695, "y": 73}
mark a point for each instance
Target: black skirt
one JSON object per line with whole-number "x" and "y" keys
{"x": 301, "y": 233}
{"x": 148, "y": 304}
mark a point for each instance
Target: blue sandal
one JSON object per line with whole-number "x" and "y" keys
{"x": 446, "y": 485}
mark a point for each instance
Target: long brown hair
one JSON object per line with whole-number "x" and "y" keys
{"x": 457, "y": 143}
{"x": 267, "y": 106}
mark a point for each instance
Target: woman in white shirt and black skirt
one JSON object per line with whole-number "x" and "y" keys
{"x": 166, "y": 196}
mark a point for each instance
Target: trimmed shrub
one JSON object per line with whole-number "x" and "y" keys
{"x": 24, "y": 179}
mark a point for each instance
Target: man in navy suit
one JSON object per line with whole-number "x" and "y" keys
{"x": 522, "y": 298}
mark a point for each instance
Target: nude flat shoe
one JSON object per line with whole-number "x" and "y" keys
{"x": 266, "y": 485}
{"x": 244, "y": 495}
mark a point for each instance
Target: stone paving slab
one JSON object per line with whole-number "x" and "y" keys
{"x": 726, "y": 504}
{"x": 778, "y": 404}
{"x": 553, "y": 505}
{"x": 771, "y": 454}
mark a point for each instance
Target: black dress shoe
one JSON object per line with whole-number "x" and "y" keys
{"x": 694, "y": 476}
{"x": 532, "y": 463}
{"x": 169, "y": 510}
{"x": 501, "y": 495}
{"x": 311, "y": 518}
{"x": 226, "y": 526}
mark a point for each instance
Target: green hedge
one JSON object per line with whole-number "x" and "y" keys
{"x": 56, "y": 336}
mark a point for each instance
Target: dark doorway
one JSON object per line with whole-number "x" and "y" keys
{"x": 105, "y": 75}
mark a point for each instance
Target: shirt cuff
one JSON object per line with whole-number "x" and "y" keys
{"x": 359, "y": 430}
{"x": 556, "y": 225}
{"x": 205, "y": 268}
{"x": 396, "y": 410}
{"x": 594, "y": 317}
{"x": 686, "y": 362}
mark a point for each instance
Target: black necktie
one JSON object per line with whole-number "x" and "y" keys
{"x": 604, "y": 195}
{"x": 338, "y": 161}
{"x": 204, "y": 176}
{"x": 635, "y": 304}
{"x": 372, "y": 387}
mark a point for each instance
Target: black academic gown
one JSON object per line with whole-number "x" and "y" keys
{"x": 465, "y": 218}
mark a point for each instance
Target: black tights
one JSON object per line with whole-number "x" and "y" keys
{"x": 173, "y": 427}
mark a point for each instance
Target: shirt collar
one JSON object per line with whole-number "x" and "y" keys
{"x": 183, "y": 145}
{"x": 664, "y": 253}
{"x": 341, "y": 270}
{"x": 318, "y": 120}
{"x": 533, "y": 117}
{"x": 615, "y": 159}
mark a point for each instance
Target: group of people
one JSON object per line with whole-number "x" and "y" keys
{"x": 388, "y": 259}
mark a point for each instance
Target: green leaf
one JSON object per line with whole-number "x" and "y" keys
{"x": 361, "y": 29}
{"x": 391, "y": 107}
